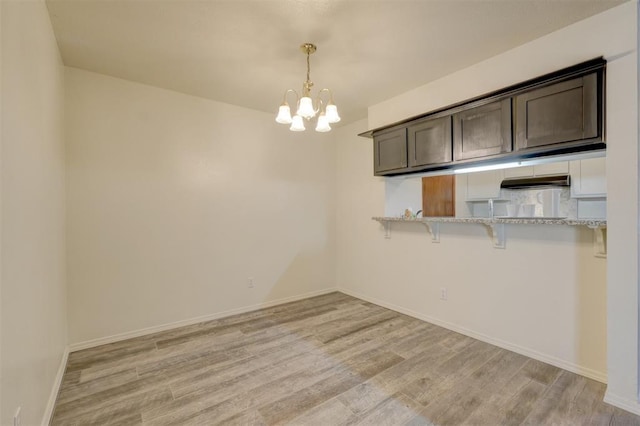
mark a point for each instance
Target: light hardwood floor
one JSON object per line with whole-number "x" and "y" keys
{"x": 327, "y": 360}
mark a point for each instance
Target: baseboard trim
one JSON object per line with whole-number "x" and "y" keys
{"x": 164, "y": 327}
{"x": 574, "y": 368}
{"x": 623, "y": 403}
{"x": 48, "y": 411}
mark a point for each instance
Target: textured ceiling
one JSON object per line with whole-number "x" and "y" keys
{"x": 247, "y": 52}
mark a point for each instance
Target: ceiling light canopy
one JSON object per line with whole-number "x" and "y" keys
{"x": 306, "y": 107}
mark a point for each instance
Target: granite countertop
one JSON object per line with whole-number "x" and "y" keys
{"x": 602, "y": 223}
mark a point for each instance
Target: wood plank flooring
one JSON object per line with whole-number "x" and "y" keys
{"x": 327, "y": 360}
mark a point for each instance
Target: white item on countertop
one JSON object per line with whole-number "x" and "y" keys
{"x": 527, "y": 210}
{"x": 550, "y": 200}
{"x": 512, "y": 210}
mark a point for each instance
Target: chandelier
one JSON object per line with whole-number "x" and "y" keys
{"x": 307, "y": 108}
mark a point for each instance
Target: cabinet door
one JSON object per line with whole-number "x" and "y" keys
{"x": 558, "y": 114}
{"x": 484, "y": 185}
{"x": 430, "y": 142}
{"x": 589, "y": 178}
{"x": 483, "y": 131}
{"x": 390, "y": 151}
{"x": 557, "y": 168}
{"x": 517, "y": 172}
{"x": 439, "y": 196}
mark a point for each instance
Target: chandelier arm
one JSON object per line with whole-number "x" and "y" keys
{"x": 320, "y": 104}
{"x": 286, "y": 92}
{"x": 330, "y": 94}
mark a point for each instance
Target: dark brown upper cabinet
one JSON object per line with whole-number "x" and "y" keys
{"x": 430, "y": 142}
{"x": 563, "y": 113}
{"x": 482, "y": 131}
{"x": 390, "y": 151}
{"x": 557, "y": 113}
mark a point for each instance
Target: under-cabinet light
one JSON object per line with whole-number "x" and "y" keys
{"x": 486, "y": 168}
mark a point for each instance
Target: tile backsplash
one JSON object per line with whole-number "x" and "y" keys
{"x": 567, "y": 206}
{"x": 572, "y": 208}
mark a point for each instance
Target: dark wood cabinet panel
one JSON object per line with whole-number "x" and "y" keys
{"x": 561, "y": 113}
{"x": 390, "y": 151}
{"x": 430, "y": 142}
{"x": 483, "y": 131}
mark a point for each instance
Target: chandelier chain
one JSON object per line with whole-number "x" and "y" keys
{"x": 308, "y": 67}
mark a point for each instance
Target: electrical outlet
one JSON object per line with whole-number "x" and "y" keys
{"x": 250, "y": 283}
{"x": 17, "y": 418}
{"x": 443, "y": 293}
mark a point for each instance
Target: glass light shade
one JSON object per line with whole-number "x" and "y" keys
{"x": 323, "y": 124}
{"x": 305, "y": 109}
{"x": 297, "y": 125}
{"x": 332, "y": 113}
{"x": 284, "y": 114}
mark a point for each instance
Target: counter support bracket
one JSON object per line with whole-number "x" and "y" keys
{"x": 599, "y": 241}
{"x": 387, "y": 229}
{"x": 496, "y": 233}
{"x": 433, "y": 229}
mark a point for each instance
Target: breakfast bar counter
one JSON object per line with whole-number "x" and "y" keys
{"x": 496, "y": 229}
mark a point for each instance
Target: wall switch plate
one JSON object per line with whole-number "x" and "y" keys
{"x": 443, "y": 293}
{"x": 250, "y": 283}
{"x": 17, "y": 418}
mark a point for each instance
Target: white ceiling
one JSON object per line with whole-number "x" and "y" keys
{"x": 247, "y": 52}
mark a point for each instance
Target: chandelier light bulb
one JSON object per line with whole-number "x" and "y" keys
{"x": 323, "y": 124}
{"x": 305, "y": 109}
{"x": 284, "y": 114}
{"x": 297, "y": 125}
{"x": 332, "y": 113}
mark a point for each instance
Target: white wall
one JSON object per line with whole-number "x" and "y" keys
{"x": 33, "y": 312}
{"x": 622, "y": 232}
{"x": 1, "y": 135}
{"x": 174, "y": 201}
{"x": 545, "y": 295}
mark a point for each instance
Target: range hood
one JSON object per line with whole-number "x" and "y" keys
{"x": 536, "y": 182}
